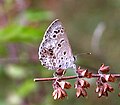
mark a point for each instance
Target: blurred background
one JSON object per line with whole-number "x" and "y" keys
{"x": 91, "y": 26}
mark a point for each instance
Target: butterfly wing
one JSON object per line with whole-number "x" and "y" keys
{"x": 55, "y": 50}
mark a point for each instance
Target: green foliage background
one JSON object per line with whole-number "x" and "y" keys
{"x": 22, "y": 26}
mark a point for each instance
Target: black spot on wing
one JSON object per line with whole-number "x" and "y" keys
{"x": 57, "y": 31}
{"x": 54, "y": 36}
{"x": 59, "y": 45}
{"x": 62, "y": 40}
{"x": 60, "y": 65}
{"x": 61, "y": 57}
{"x": 64, "y": 52}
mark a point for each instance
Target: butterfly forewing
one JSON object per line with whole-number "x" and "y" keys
{"x": 55, "y": 50}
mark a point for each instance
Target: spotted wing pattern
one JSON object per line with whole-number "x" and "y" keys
{"x": 55, "y": 50}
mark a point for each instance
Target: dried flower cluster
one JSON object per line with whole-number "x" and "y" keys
{"x": 103, "y": 82}
{"x": 81, "y": 85}
{"x": 103, "y": 87}
{"x": 83, "y": 73}
{"x": 59, "y": 89}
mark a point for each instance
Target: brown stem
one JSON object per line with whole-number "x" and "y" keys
{"x": 70, "y": 77}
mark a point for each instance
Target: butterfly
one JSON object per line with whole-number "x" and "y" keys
{"x": 55, "y": 51}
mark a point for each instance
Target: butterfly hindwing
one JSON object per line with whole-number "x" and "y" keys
{"x": 55, "y": 50}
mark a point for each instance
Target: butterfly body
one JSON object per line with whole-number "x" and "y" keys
{"x": 55, "y": 51}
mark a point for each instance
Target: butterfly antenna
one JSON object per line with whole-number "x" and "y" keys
{"x": 87, "y": 53}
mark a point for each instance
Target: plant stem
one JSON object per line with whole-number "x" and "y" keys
{"x": 70, "y": 77}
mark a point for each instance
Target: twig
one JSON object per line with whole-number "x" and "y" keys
{"x": 70, "y": 77}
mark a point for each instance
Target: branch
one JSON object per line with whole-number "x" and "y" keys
{"x": 102, "y": 82}
{"x": 70, "y": 77}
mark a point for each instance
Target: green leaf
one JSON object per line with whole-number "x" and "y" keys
{"x": 17, "y": 33}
